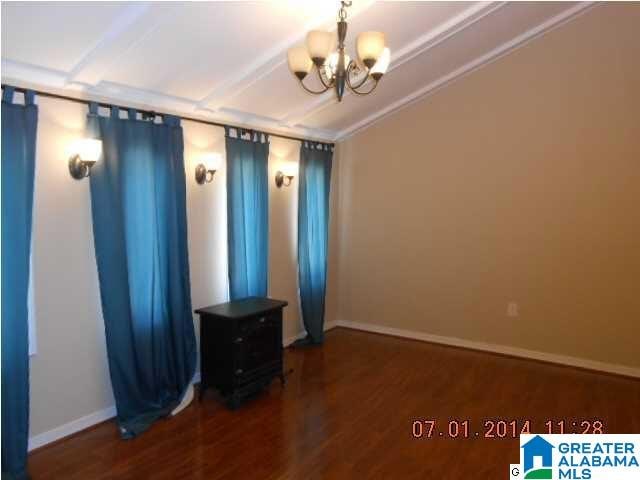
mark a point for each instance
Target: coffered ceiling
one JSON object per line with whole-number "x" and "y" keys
{"x": 226, "y": 61}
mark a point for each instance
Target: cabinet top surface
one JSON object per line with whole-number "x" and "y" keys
{"x": 245, "y": 307}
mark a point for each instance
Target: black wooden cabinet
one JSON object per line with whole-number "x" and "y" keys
{"x": 241, "y": 347}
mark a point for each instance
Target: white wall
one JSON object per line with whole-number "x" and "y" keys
{"x": 69, "y": 374}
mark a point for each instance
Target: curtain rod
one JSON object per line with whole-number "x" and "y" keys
{"x": 153, "y": 112}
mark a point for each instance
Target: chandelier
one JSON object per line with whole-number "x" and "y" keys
{"x": 335, "y": 69}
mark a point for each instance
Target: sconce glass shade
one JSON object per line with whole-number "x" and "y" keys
{"x": 331, "y": 64}
{"x": 319, "y": 44}
{"x": 289, "y": 169}
{"x": 86, "y": 153}
{"x": 89, "y": 149}
{"x": 370, "y": 46}
{"x": 212, "y": 161}
{"x": 380, "y": 68}
{"x": 299, "y": 61}
{"x": 284, "y": 176}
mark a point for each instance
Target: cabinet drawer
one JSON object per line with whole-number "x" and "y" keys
{"x": 253, "y": 324}
{"x": 242, "y": 376}
{"x": 257, "y": 347}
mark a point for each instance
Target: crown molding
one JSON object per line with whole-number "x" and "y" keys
{"x": 498, "y": 52}
{"x": 422, "y": 44}
{"x": 38, "y": 78}
{"x": 24, "y": 72}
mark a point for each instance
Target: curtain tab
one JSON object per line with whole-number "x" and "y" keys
{"x": 171, "y": 120}
{"x": 7, "y": 95}
{"x": 29, "y": 97}
{"x": 93, "y": 108}
{"x": 115, "y": 112}
{"x": 132, "y": 113}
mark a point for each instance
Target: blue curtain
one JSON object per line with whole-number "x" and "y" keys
{"x": 313, "y": 228}
{"x": 247, "y": 213}
{"x": 138, "y": 202}
{"x": 18, "y": 165}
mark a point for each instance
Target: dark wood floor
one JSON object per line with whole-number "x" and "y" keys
{"x": 347, "y": 412}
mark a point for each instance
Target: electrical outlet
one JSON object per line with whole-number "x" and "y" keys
{"x": 512, "y": 309}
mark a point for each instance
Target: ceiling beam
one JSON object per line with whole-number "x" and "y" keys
{"x": 422, "y": 44}
{"x": 131, "y": 27}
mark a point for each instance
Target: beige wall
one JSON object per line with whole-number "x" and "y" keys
{"x": 69, "y": 374}
{"x": 519, "y": 182}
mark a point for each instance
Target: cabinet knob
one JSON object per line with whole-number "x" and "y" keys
{"x": 239, "y": 371}
{"x": 239, "y": 340}
{"x": 262, "y": 319}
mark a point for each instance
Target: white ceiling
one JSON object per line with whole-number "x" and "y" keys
{"x": 227, "y": 61}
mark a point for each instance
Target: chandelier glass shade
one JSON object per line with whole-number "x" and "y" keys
{"x": 335, "y": 69}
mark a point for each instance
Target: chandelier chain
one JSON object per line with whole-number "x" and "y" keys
{"x": 342, "y": 13}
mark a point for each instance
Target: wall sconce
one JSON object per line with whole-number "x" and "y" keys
{"x": 87, "y": 152}
{"x": 285, "y": 176}
{"x": 208, "y": 167}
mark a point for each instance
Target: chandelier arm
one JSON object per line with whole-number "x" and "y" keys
{"x": 367, "y": 92}
{"x": 315, "y": 92}
{"x": 350, "y": 69}
{"x": 326, "y": 85}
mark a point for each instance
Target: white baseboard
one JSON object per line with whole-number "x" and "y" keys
{"x": 70, "y": 428}
{"x": 87, "y": 421}
{"x": 79, "y": 424}
{"x": 94, "y": 418}
{"x": 493, "y": 348}
{"x": 289, "y": 340}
